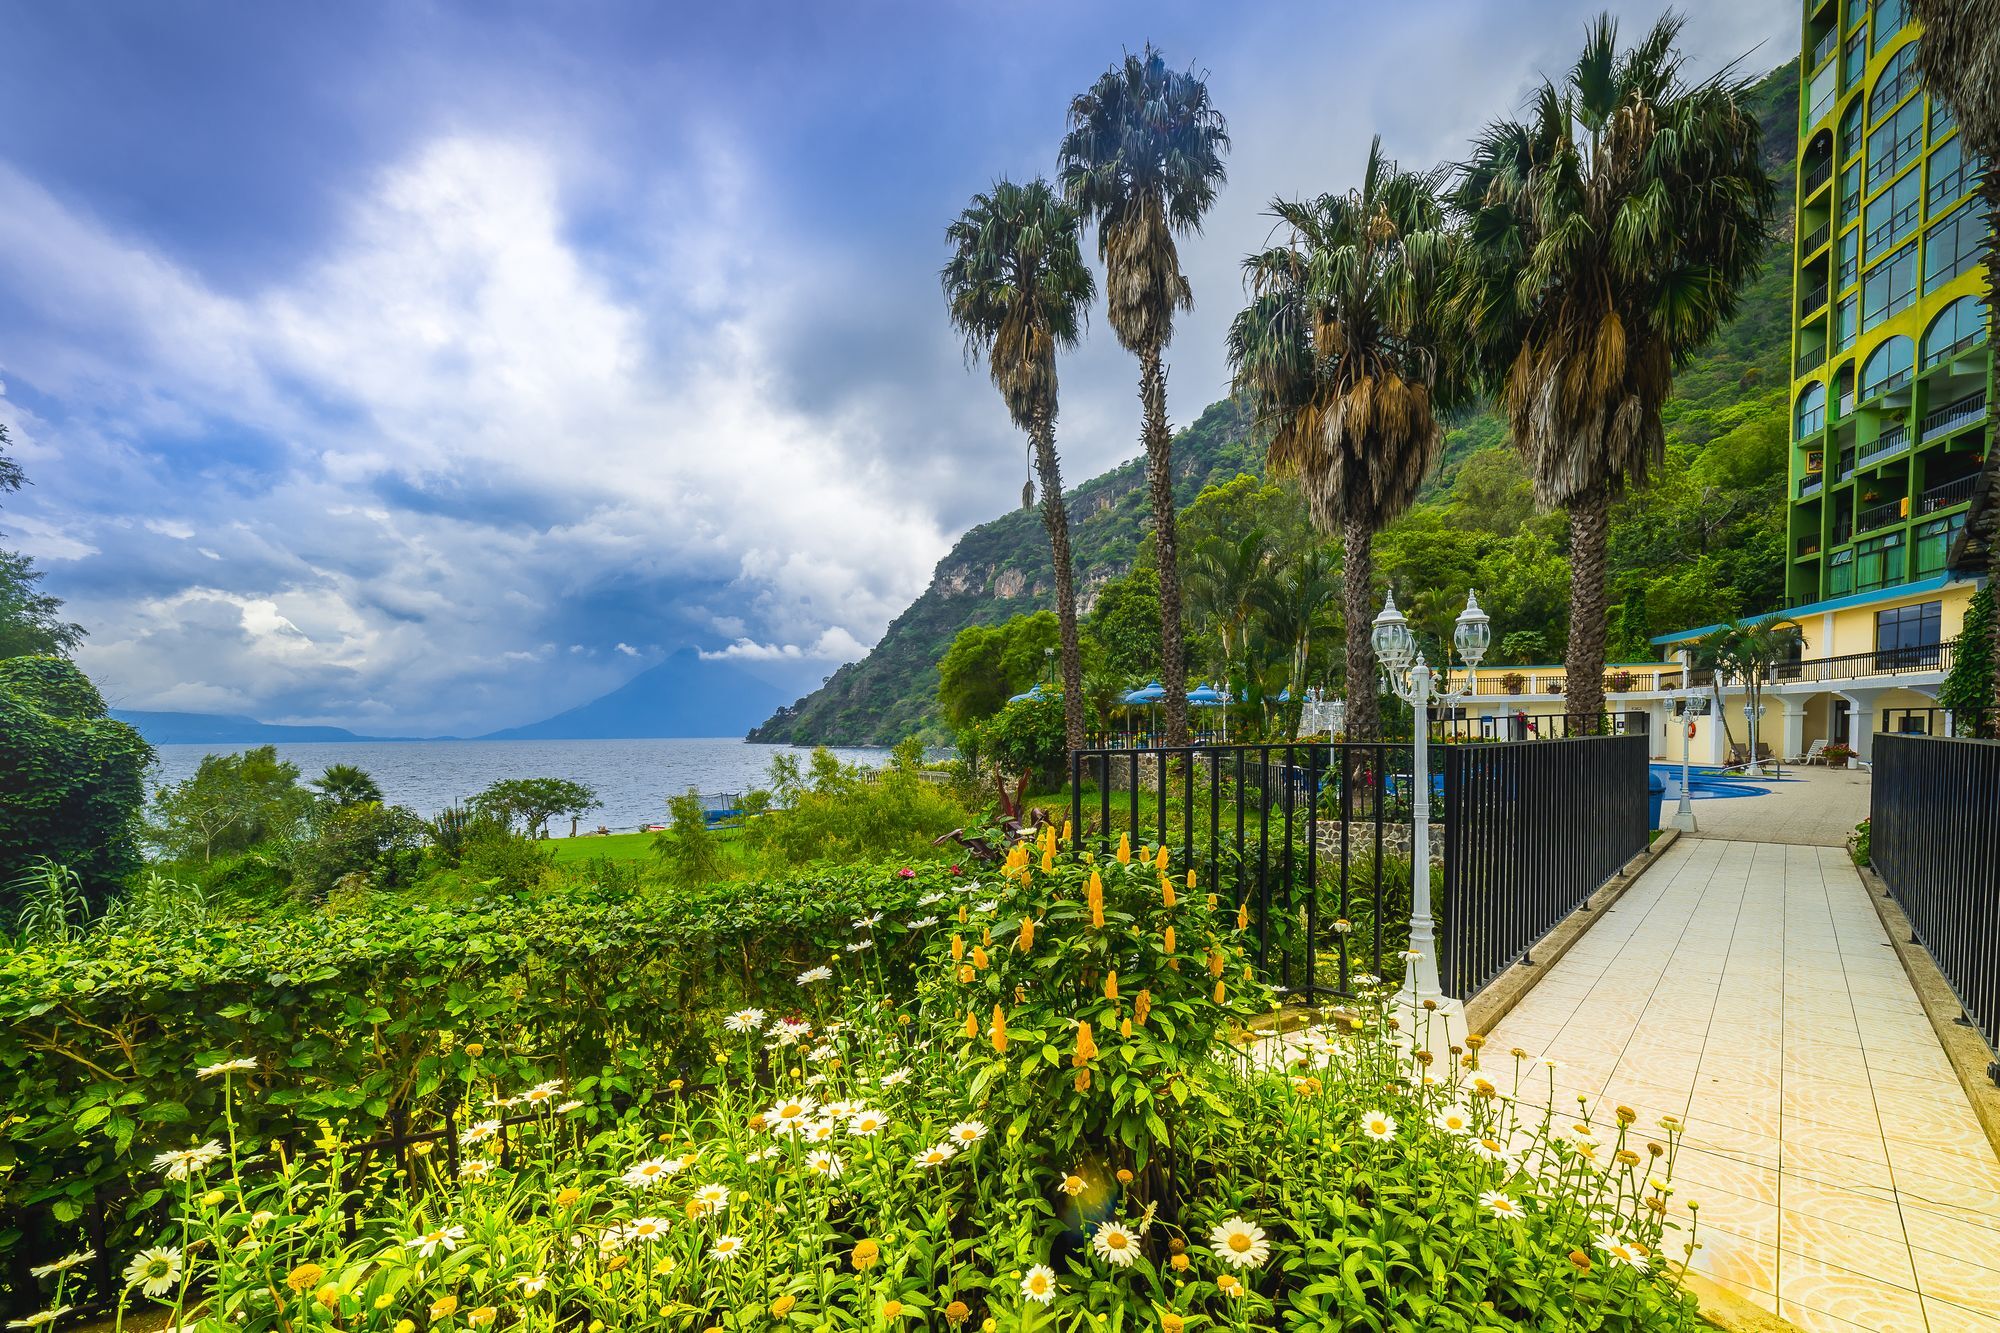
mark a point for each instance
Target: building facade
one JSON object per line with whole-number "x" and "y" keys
{"x": 1891, "y": 369}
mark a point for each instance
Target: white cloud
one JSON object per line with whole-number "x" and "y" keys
{"x": 628, "y": 650}
{"x": 834, "y": 645}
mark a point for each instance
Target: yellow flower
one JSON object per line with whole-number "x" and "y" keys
{"x": 1125, "y": 1027}
{"x": 999, "y": 1031}
{"x": 1083, "y": 1080}
{"x": 783, "y": 1305}
{"x": 406, "y": 1326}
{"x": 305, "y": 1277}
{"x": 475, "y": 1049}
{"x": 1072, "y": 1185}
{"x": 1243, "y": 915}
{"x": 1166, "y": 890}
{"x": 567, "y": 1195}
{"x": 1228, "y": 1285}
{"x": 1065, "y": 833}
{"x": 958, "y": 948}
{"x": 1124, "y": 1176}
{"x": 1093, "y": 896}
{"x": 892, "y": 1309}
{"x": 1167, "y": 939}
{"x": 328, "y": 1296}
{"x": 1027, "y": 940}
{"x": 1171, "y": 1322}
{"x": 1086, "y": 1046}
{"x": 1048, "y": 856}
{"x": 962, "y": 914}
{"x": 967, "y": 973}
{"x": 1142, "y": 1006}
{"x": 1219, "y": 992}
{"x": 481, "y": 1316}
{"x": 443, "y": 1308}
{"x": 1124, "y": 849}
{"x": 1180, "y": 1263}
{"x": 1111, "y": 985}
{"x": 979, "y": 958}
{"x": 971, "y": 1026}
{"x": 1160, "y": 861}
{"x": 1214, "y": 963}
{"x": 957, "y": 1313}
{"x": 1211, "y": 902}
{"x": 866, "y": 1255}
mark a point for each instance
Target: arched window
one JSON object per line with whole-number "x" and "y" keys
{"x": 1811, "y": 415}
{"x": 1887, "y": 367}
{"x": 1961, "y": 325}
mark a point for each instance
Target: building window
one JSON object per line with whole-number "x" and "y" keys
{"x": 1952, "y": 172}
{"x": 1849, "y": 247}
{"x": 1840, "y": 573}
{"x": 1892, "y": 214}
{"x": 1908, "y": 636}
{"x": 1890, "y": 18}
{"x": 1962, "y": 325}
{"x": 1887, "y": 367}
{"x": 1856, "y": 59}
{"x": 1888, "y": 288}
{"x": 1878, "y": 562}
{"x": 1934, "y": 543}
{"x": 1844, "y": 325}
{"x": 1944, "y": 119}
{"x": 1955, "y": 245}
{"x": 1812, "y": 411}
{"x": 1895, "y": 142}
{"x": 1896, "y": 81}
{"x": 1850, "y": 192}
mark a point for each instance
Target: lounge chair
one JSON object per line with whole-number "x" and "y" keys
{"x": 1812, "y": 754}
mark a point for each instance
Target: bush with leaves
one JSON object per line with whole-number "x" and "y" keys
{"x": 1027, "y": 737}
{"x": 687, "y": 847}
{"x": 231, "y": 803}
{"x": 1969, "y": 688}
{"x": 368, "y": 843}
{"x": 531, "y": 803}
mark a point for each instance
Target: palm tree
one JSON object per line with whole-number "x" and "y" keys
{"x": 1291, "y": 600}
{"x": 1143, "y": 160}
{"x": 346, "y": 784}
{"x": 1761, "y": 646}
{"x": 1346, "y": 354}
{"x": 1960, "y": 63}
{"x": 1017, "y": 287}
{"x": 1222, "y": 581}
{"x": 1611, "y": 232}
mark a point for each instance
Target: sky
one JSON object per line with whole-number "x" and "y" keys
{"x": 429, "y": 368}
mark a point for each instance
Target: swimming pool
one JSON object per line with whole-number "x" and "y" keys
{"x": 1710, "y": 783}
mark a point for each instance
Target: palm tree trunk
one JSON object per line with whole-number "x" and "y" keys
{"x": 1055, "y": 517}
{"x": 1589, "y": 526}
{"x": 1364, "y": 712}
{"x": 1160, "y": 486}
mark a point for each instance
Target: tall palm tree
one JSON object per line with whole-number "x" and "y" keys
{"x": 1223, "y": 575}
{"x": 1612, "y": 231}
{"x": 1346, "y": 354}
{"x": 1959, "y": 59}
{"x": 1143, "y": 160}
{"x": 1291, "y": 599}
{"x": 1019, "y": 290}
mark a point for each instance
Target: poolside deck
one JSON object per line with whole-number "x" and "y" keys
{"x": 1811, "y": 807}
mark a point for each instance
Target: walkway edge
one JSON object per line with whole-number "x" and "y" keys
{"x": 1724, "y": 1308}
{"x": 1968, "y": 1052}
{"x": 1485, "y": 1010}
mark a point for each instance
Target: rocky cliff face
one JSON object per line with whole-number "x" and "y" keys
{"x": 1002, "y": 569}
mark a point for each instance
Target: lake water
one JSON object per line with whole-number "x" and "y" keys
{"x": 633, "y": 778}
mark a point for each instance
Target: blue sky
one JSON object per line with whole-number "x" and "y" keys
{"x": 431, "y": 367}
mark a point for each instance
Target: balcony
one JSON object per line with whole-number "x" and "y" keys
{"x": 1967, "y": 411}
{"x": 1886, "y": 445}
{"x": 1847, "y": 462}
{"x": 1812, "y": 360}
{"x": 1812, "y": 301}
{"x": 1807, "y": 546}
{"x": 1947, "y": 494}
{"x": 1824, "y": 48}
{"x": 1880, "y": 516}
{"x": 1811, "y": 486}
{"x": 1855, "y": 666}
{"x": 1815, "y": 239}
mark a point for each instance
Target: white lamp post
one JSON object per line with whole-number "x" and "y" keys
{"x": 1684, "y": 815}
{"x": 1412, "y": 680}
{"x": 1752, "y": 715}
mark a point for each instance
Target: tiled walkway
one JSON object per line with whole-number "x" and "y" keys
{"x": 1813, "y": 806}
{"x": 1749, "y": 988}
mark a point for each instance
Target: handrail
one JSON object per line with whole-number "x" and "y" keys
{"x": 1881, "y": 662}
{"x": 1815, "y": 239}
{"x": 1946, "y": 494}
{"x": 1879, "y": 516}
{"x": 1886, "y": 445}
{"x": 1953, "y": 416}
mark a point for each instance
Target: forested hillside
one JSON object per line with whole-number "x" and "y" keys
{"x": 1703, "y": 542}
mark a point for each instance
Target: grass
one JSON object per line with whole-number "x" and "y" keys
{"x": 631, "y": 847}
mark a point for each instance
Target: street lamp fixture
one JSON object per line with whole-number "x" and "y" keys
{"x": 1684, "y": 814}
{"x": 1410, "y": 677}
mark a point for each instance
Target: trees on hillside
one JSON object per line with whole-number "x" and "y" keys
{"x": 1346, "y": 350}
{"x": 1611, "y": 233}
{"x": 1018, "y": 289}
{"x": 1143, "y": 160}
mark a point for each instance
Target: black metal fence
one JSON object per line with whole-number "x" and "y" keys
{"x": 1934, "y": 836}
{"x": 1316, "y": 838}
{"x": 1531, "y": 830}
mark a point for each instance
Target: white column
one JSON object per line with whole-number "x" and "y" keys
{"x": 1861, "y": 722}
{"x": 1795, "y": 726}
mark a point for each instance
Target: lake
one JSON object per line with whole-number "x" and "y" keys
{"x": 633, "y": 778}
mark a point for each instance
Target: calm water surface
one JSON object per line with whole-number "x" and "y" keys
{"x": 632, "y": 778}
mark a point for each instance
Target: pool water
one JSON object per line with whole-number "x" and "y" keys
{"x": 1709, "y": 783}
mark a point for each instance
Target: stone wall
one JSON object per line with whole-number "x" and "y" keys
{"x": 1361, "y": 839}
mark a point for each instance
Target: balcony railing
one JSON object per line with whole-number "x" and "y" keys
{"x": 1847, "y": 462}
{"x": 1824, "y": 48}
{"x": 1815, "y": 238}
{"x": 1812, "y": 423}
{"x": 1955, "y": 416}
{"x": 1946, "y": 494}
{"x": 1887, "y": 445}
{"x": 1813, "y": 299}
{"x": 1812, "y": 485}
{"x": 1808, "y": 546}
{"x": 1879, "y": 516}
{"x": 1881, "y": 662}
{"x": 1812, "y": 360}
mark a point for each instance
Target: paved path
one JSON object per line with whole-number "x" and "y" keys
{"x": 1749, "y": 988}
{"x": 1812, "y": 806}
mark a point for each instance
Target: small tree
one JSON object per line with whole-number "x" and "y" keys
{"x": 232, "y": 803}
{"x": 533, "y": 802}
{"x": 1969, "y": 691}
{"x": 688, "y": 848}
{"x": 345, "y": 784}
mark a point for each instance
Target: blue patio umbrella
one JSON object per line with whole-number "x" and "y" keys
{"x": 1207, "y": 696}
{"x": 1147, "y": 694}
{"x": 1033, "y": 693}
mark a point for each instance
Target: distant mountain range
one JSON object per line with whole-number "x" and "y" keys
{"x": 683, "y": 696}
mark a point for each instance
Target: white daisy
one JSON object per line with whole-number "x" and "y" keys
{"x": 645, "y": 1230}
{"x": 821, "y": 1053}
{"x": 240, "y": 1065}
{"x": 967, "y": 1132}
{"x": 745, "y": 1020}
{"x": 1379, "y": 1126}
{"x": 542, "y": 1092}
{"x": 532, "y": 1284}
{"x": 474, "y": 1168}
{"x": 840, "y": 1110}
{"x": 443, "y": 1238}
{"x": 178, "y": 1165}
{"x": 822, "y": 1163}
{"x": 861, "y": 946}
{"x": 930, "y": 899}
{"x": 1453, "y": 1120}
{"x": 788, "y": 1115}
{"x": 1116, "y": 1244}
{"x": 819, "y": 1131}
{"x": 1622, "y": 1252}
{"x": 1239, "y": 1244}
{"x": 568, "y": 1106}
{"x": 710, "y": 1199}
{"x": 41, "y": 1318}
{"x": 893, "y": 1077}
{"x": 653, "y": 1171}
{"x": 1502, "y": 1205}
{"x": 988, "y": 906}
{"x": 937, "y": 1155}
{"x": 156, "y": 1271}
{"x": 1039, "y": 1284}
{"x": 1489, "y": 1150}
{"x": 727, "y": 1248}
{"x": 868, "y": 921}
{"x": 920, "y": 923}
{"x": 482, "y": 1131}
{"x": 64, "y": 1264}
{"x": 810, "y": 975}
{"x": 865, "y": 1123}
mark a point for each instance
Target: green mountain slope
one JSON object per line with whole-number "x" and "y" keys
{"x": 1732, "y": 549}
{"x": 1001, "y": 569}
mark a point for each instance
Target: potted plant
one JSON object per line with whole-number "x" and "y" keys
{"x": 1619, "y": 682}
{"x": 1839, "y": 755}
{"x": 1513, "y": 682}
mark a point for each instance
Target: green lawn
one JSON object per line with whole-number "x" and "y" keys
{"x": 636, "y": 847}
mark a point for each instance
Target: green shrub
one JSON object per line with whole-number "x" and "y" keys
{"x": 845, "y": 812}
{"x": 1027, "y": 736}
{"x": 364, "y": 842}
{"x": 687, "y": 848}
{"x": 1969, "y": 687}
{"x": 1860, "y": 841}
{"x": 232, "y": 802}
